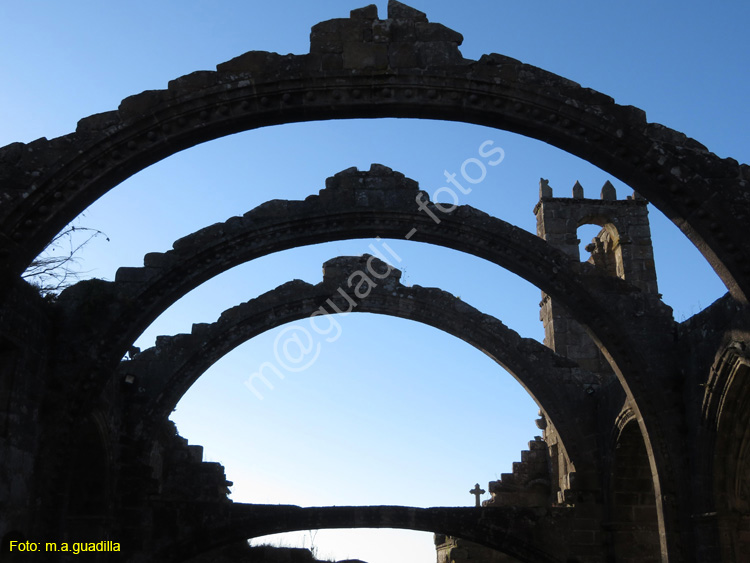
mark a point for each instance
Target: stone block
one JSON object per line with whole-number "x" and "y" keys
{"x": 251, "y": 62}
{"x": 328, "y": 43}
{"x": 369, "y": 12}
{"x": 365, "y": 56}
{"x": 437, "y": 32}
{"x": 626, "y": 498}
{"x": 98, "y": 121}
{"x": 369, "y": 198}
{"x": 402, "y": 55}
{"x": 437, "y": 53}
{"x": 402, "y": 31}
{"x": 538, "y": 445}
{"x": 640, "y": 231}
{"x": 623, "y": 514}
{"x": 156, "y": 260}
{"x": 381, "y": 32}
{"x": 331, "y": 61}
{"x": 582, "y": 537}
{"x": 354, "y": 31}
{"x": 146, "y": 101}
{"x": 399, "y": 11}
{"x": 127, "y": 274}
{"x": 644, "y": 514}
{"x": 190, "y": 82}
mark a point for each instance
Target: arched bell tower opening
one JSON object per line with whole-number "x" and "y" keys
{"x": 621, "y": 249}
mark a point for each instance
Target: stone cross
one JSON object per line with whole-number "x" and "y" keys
{"x": 477, "y": 492}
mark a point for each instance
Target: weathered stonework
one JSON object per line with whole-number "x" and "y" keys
{"x": 644, "y": 420}
{"x": 165, "y": 372}
{"x": 47, "y": 183}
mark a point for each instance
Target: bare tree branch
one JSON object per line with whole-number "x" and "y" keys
{"x": 52, "y": 273}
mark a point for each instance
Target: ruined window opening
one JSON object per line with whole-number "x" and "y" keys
{"x": 600, "y": 247}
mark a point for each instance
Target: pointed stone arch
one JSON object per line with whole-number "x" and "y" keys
{"x": 165, "y": 372}
{"x": 727, "y": 417}
{"x": 47, "y": 183}
{"x": 354, "y": 204}
{"x": 106, "y": 316}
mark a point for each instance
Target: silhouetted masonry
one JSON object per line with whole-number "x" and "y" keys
{"x": 622, "y": 249}
{"x": 644, "y": 453}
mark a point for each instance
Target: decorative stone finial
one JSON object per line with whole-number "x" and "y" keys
{"x": 608, "y": 191}
{"x": 338, "y": 271}
{"x": 367, "y": 13}
{"x": 364, "y": 42}
{"x": 577, "y": 190}
{"x": 545, "y": 190}
{"x": 376, "y": 187}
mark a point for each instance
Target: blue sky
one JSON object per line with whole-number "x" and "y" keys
{"x": 392, "y": 412}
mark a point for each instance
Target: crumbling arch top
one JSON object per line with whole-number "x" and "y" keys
{"x": 365, "y": 284}
{"x": 354, "y": 204}
{"x": 414, "y": 69}
{"x": 624, "y": 321}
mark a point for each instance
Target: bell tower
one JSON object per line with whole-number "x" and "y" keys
{"x": 622, "y": 249}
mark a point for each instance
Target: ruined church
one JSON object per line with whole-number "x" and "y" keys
{"x": 644, "y": 446}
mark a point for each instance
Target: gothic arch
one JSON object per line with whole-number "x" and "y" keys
{"x": 354, "y": 204}
{"x": 48, "y": 183}
{"x": 727, "y": 416}
{"x": 624, "y": 321}
{"x": 418, "y": 74}
{"x": 627, "y": 323}
{"x": 520, "y": 533}
{"x": 166, "y": 371}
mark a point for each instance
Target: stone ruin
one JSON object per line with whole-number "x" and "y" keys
{"x": 644, "y": 453}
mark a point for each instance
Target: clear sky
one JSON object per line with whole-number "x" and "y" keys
{"x": 392, "y": 412}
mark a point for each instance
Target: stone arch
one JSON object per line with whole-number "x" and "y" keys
{"x": 46, "y": 182}
{"x": 354, "y": 204}
{"x": 350, "y": 207}
{"x": 417, "y": 72}
{"x": 558, "y": 385}
{"x": 728, "y": 417}
{"x": 518, "y": 532}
